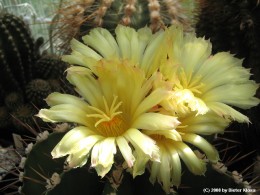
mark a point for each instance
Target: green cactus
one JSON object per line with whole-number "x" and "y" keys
{"x": 14, "y": 100}
{"x": 36, "y": 90}
{"x": 23, "y": 116}
{"x": 44, "y": 175}
{"x": 25, "y": 73}
{"x": 77, "y": 18}
{"x": 49, "y": 67}
{"x": 16, "y": 52}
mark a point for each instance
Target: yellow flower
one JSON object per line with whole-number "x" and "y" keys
{"x": 202, "y": 88}
{"x": 142, "y": 48}
{"x": 173, "y": 148}
{"x": 201, "y": 82}
{"x": 117, "y": 99}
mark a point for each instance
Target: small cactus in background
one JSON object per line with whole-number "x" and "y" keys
{"x": 16, "y": 52}
{"x": 25, "y": 73}
{"x": 49, "y": 67}
{"x": 78, "y": 17}
{"x": 36, "y": 90}
{"x": 23, "y": 116}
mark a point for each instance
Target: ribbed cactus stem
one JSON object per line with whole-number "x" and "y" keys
{"x": 129, "y": 9}
{"x": 155, "y": 16}
{"x": 7, "y": 75}
{"x": 23, "y": 41}
{"x": 109, "y": 13}
{"x": 100, "y": 13}
{"x": 173, "y": 8}
{"x": 17, "y": 53}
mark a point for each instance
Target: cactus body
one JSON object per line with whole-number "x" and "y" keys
{"x": 40, "y": 168}
{"x": 24, "y": 74}
{"x": 16, "y": 52}
{"x": 77, "y": 18}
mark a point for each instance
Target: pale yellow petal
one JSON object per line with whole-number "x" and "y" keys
{"x": 202, "y": 144}
{"x": 107, "y": 149}
{"x": 127, "y": 39}
{"x": 77, "y": 58}
{"x": 175, "y": 165}
{"x": 140, "y": 163}
{"x": 153, "y": 54}
{"x": 58, "y": 98}
{"x": 154, "y": 171}
{"x": 90, "y": 91}
{"x": 226, "y": 111}
{"x": 239, "y": 95}
{"x": 143, "y": 143}
{"x": 126, "y": 150}
{"x": 102, "y": 171}
{"x": 101, "y": 152}
{"x": 80, "y": 151}
{"x": 84, "y": 50}
{"x": 65, "y": 146}
{"x": 102, "y": 41}
{"x": 170, "y": 134}
{"x": 195, "y": 165}
{"x": 63, "y": 113}
{"x": 207, "y": 124}
{"x": 165, "y": 173}
{"x": 155, "y": 121}
{"x": 153, "y": 99}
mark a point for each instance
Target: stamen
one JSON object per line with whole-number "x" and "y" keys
{"x": 109, "y": 113}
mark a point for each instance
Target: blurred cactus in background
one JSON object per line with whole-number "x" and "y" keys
{"x": 75, "y": 18}
{"x": 25, "y": 71}
{"x": 234, "y": 26}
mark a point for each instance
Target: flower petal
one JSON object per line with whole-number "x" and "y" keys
{"x": 154, "y": 171}
{"x": 80, "y": 152}
{"x": 63, "y": 113}
{"x": 226, "y": 111}
{"x": 65, "y": 146}
{"x": 195, "y": 165}
{"x": 165, "y": 173}
{"x": 107, "y": 150}
{"x": 202, "y": 144}
{"x": 153, "y": 99}
{"x": 170, "y": 134}
{"x": 140, "y": 163}
{"x": 102, "y": 41}
{"x": 207, "y": 124}
{"x": 84, "y": 50}
{"x": 91, "y": 92}
{"x": 239, "y": 95}
{"x": 58, "y": 98}
{"x": 102, "y": 156}
{"x": 153, "y": 54}
{"x": 126, "y": 150}
{"x": 143, "y": 143}
{"x": 176, "y": 165}
{"x": 155, "y": 121}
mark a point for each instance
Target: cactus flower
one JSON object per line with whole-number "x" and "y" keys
{"x": 203, "y": 82}
{"x": 149, "y": 97}
{"x": 117, "y": 101}
{"x": 203, "y": 89}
